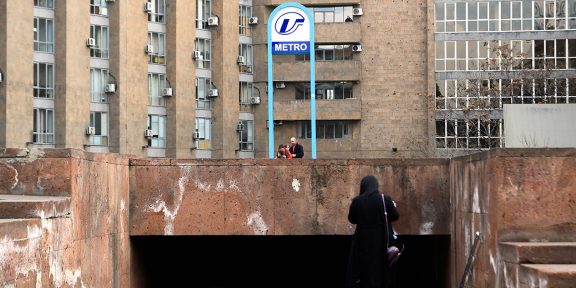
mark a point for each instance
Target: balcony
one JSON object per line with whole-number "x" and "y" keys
{"x": 345, "y": 109}
{"x": 299, "y": 71}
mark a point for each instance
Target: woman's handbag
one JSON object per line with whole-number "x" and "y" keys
{"x": 393, "y": 252}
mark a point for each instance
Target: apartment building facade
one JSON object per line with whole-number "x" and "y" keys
{"x": 188, "y": 79}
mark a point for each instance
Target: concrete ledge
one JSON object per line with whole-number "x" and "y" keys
{"x": 26, "y": 206}
{"x": 540, "y": 253}
{"x": 548, "y": 275}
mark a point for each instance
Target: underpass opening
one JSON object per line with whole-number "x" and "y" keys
{"x": 274, "y": 261}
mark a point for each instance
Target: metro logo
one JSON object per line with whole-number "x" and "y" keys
{"x": 288, "y": 23}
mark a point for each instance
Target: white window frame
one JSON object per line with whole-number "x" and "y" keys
{"x": 203, "y": 11}
{"x": 99, "y": 8}
{"x": 204, "y": 45}
{"x": 49, "y": 4}
{"x": 158, "y": 42}
{"x": 157, "y": 123}
{"x": 43, "y": 128}
{"x": 101, "y": 136}
{"x": 98, "y": 79}
{"x": 43, "y": 88}
{"x": 202, "y": 87}
{"x": 158, "y": 14}
{"x": 101, "y": 35}
{"x": 247, "y": 51}
{"x": 247, "y": 135}
{"x": 156, "y": 83}
{"x": 44, "y": 38}
{"x": 245, "y": 13}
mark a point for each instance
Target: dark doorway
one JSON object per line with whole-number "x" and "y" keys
{"x": 273, "y": 261}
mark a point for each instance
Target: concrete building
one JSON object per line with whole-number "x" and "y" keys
{"x": 187, "y": 79}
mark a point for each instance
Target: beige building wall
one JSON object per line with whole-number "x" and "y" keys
{"x": 181, "y": 73}
{"x": 72, "y": 73}
{"x": 16, "y": 54}
{"x": 225, "y": 75}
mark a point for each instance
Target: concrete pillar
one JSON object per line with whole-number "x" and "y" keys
{"x": 16, "y": 58}
{"x": 72, "y": 89}
{"x": 225, "y": 75}
{"x": 128, "y": 63}
{"x": 181, "y": 75}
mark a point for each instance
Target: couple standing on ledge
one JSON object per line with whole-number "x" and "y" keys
{"x": 294, "y": 150}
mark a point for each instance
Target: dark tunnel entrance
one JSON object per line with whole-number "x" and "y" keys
{"x": 273, "y": 261}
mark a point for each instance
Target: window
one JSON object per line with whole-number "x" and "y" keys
{"x": 324, "y": 129}
{"x": 245, "y": 50}
{"x": 331, "y": 14}
{"x": 43, "y": 80}
{"x": 245, "y": 14}
{"x": 155, "y": 86}
{"x": 98, "y": 79}
{"x": 203, "y": 11}
{"x": 469, "y": 134}
{"x": 158, "y": 42}
{"x": 204, "y": 46}
{"x": 203, "y": 126}
{"x": 329, "y": 53}
{"x": 100, "y": 34}
{"x": 43, "y": 132}
{"x": 325, "y": 91}
{"x": 157, "y": 123}
{"x": 246, "y": 92}
{"x": 202, "y": 87}
{"x": 98, "y": 7}
{"x": 43, "y": 35}
{"x": 44, "y": 3}
{"x": 99, "y": 120}
{"x": 247, "y": 135}
{"x": 158, "y": 11}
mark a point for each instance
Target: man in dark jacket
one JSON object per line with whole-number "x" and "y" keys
{"x": 367, "y": 263}
{"x": 296, "y": 149}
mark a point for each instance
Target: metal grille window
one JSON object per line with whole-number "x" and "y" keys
{"x": 245, "y": 50}
{"x": 246, "y": 93}
{"x": 329, "y": 53}
{"x": 158, "y": 12}
{"x": 325, "y": 91}
{"x": 98, "y": 79}
{"x": 157, "y": 123}
{"x": 43, "y": 35}
{"x": 156, "y": 83}
{"x": 469, "y": 134}
{"x": 204, "y": 46}
{"x": 336, "y": 14}
{"x": 43, "y": 80}
{"x": 203, "y": 11}
{"x": 99, "y": 120}
{"x": 100, "y": 34}
{"x": 98, "y": 7}
{"x": 247, "y": 135}
{"x": 43, "y": 132}
{"x": 44, "y": 3}
{"x": 324, "y": 129}
{"x": 158, "y": 53}
{"x": 245, "y": 14}
{"x": 204, "y": 128}
{"x": 203, "y": 85}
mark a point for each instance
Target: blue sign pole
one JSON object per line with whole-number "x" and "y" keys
{"x": 287, "y": 35}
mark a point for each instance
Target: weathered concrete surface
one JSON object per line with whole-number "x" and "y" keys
{"x": 275, "y": 197}
{"x": 88, "y": 246}
{"x": 510, "y": 195}
{"x": 25, "y": 206}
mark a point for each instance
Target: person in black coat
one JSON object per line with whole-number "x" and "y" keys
{"x": 296, "y": 149}
{"x": 367, "y": 263}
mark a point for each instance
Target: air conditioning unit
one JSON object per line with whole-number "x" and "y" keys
{"x": 280, "y": 85}
{"x": 90, "y": 130}
{"x": 167, "y": 92}
{"x": 213, "y": 93}
{"x": 148, "y": 7}
{"x": 197, "y": 55}
{"x": 148, "y": 49}
{"x": 110, "y": 88}
{"x": 255, "y": 100}
{"x": 104, "y": 11}
{"x": 357, "y": 12}
{"x": 357, "y": 48}
{"x": 91, "y": 42}
{"x": 240, "y": 127}
{"x": 213, "y": 21}
{"x": 253, "y": 20}
{"x": 241, "y": 60}
{"x": 148, "y": 133}
{"x": 195, "y": 135}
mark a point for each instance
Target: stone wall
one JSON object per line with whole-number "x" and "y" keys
{"x": 510, "y": 195}
{"x": 87, "y": 246}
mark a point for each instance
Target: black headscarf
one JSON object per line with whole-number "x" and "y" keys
{"x": 368, "y": 184}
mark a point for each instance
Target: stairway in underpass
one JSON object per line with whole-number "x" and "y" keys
{"x": 539, "y": 264}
